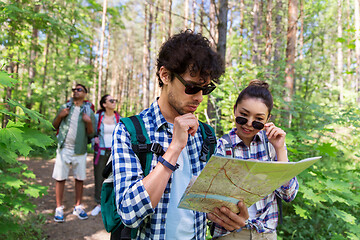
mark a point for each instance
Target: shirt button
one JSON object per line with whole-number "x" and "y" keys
{"x": 163, "y": 220}
{"x": 166, "y": 191}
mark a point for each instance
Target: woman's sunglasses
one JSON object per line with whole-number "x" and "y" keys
{"x": 256, "y": 124}
{"x": 193, "y": 89}
{"x": 113, "y": 100}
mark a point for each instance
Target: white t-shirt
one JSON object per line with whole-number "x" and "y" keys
{"x": 108, "y": 131}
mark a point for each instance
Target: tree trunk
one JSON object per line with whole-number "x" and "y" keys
{"x": 93, "y": 98}
{"x": 357, "y": 48}
{"x": 241, "y": 24}
{"x": 186, "y": 14}
{"x": 290, "y": 53}
{"x": 193, "y": 16}
{"x": 212, "y": 20}
{"x": 222, "y": 28}
{"x": 256, "y": 31}
{"x": 170, "y": 19}
{"x": 349, "y": 51}
{"x": 340, "y": 53}
{"x": 202, "y": 13}
{"x": 107, "y": 62}
{"x": 46, "y": 58}
{"x": 103, "y": 24}
{"x": 268, "y": 33}
{"x": 279, "y": 37}
{"x": 147, "y": 53}
{"x": 32, "y": 65}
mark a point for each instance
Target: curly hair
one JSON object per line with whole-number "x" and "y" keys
{"x": 257, "y": 89}
{"x": 190, "y": 51}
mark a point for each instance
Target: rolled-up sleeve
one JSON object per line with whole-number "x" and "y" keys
{"x": 132, "y": 200}
{"x": 289, "y": 190}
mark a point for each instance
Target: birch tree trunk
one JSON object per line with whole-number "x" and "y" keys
{"x": 340, "y": 53}
{"x": 222, "y": 28}
{"x": 103, "y": 24}
{"x": 186, "y": 14}
{"x": 193, "y": 15}
{"x": 357, "y": 48}
{"x": 93, "y": 95}
{"x": 46, "y": 58}
{"x": 290, "y": 54}
{"x": 349, "y": 51}
{"x": 202, "y": 13}
{"x": 212, "y": 20}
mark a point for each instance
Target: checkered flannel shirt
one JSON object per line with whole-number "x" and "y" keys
{"x": 132, "y": 200}
{"x": 266, "y": 217}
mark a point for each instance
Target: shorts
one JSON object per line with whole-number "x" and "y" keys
{"x": 64, "y": 159}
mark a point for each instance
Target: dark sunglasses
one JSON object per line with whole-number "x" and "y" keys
{"x": 78, "y": 89}
{"x": 256, "y": 124}
{"x": 113, "y": 100}
{"x": 193, "y": 89}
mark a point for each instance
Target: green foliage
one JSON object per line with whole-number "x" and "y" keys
{"x": 19, "y": 138}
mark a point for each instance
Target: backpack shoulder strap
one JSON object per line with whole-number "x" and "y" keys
{"x": 100, "y": 112}
{"x": 209, "y": 143}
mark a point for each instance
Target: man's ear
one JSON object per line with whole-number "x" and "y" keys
{"x": 165, "y": 75}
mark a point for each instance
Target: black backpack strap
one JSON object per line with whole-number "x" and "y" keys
{"x": 278, "y": 199}
{"x": 209, "y": 143}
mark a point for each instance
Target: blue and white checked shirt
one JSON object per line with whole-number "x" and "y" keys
{"x": 132, "y": 201}
{"x": 266, "y": 217}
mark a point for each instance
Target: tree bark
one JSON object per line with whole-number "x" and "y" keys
{"x": 290, "y": 53}
{"x": 102, "y": 40}
{"x": 349, "y": 51}
{"x": 193, "y": 15}
{"x": 107, "y": 62}
{"x": 279, "y": 31}
{"x": 268, "y": 45}
{"x": 222, "y": 28}
{"x": 32, "y": 65}
{"x": 256, "y": 31}
{"x": 170, "y": 19}
{"x": 46, "y": 58}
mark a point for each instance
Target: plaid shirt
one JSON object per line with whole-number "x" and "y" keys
{"x": 266, "y": 217}
{"x": 132, "y": 200}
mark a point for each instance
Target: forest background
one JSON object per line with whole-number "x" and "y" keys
{"x": 308, "y": 51}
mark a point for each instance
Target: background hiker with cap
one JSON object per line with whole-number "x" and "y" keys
{"x": 106, "y": 120}
{"x": 75, "y": 122}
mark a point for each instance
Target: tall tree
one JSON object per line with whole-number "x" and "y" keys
{"x": 290, "y": 53}
{"x": 340, "y": 52}
{"x": 357, "y": 48}
{"x": 186, "y": 14}
{"x": 33, "y": 59}
{"x": 256, "y": 33}
{"x": 101, "y": 53}
{"x": 268, "y": 44}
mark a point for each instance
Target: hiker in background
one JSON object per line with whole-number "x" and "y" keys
{"x": 250, "y": 140}
{"x": 186, "y": 67}
{"x": 75, "y": 122}
{"x": 106, "y": 120}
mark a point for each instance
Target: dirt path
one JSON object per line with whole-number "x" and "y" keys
{"x": 73, "y": 228}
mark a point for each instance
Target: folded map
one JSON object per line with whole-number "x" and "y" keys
{"x": 225, "y": 181}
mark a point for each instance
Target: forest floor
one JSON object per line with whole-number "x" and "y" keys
{"x": 73, "y": 228}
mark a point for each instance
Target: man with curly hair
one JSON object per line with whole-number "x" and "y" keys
{"x": 186, "y": 67}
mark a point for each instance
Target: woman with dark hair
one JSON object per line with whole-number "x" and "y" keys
{"x": 106, "y": 120}
{"x": 255, "y": 138}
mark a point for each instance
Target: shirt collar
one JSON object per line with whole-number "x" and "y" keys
{"x": 236, "y": 140}
{"x": 159, "y": 119}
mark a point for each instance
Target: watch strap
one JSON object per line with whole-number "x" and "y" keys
{"x": 167, "y": 164}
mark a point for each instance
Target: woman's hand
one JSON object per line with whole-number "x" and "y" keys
{"x": 276, "y": 137}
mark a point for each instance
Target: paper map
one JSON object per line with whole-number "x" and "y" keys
{"x": 225, "y": 181}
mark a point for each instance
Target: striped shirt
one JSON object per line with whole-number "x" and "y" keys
{"x": 266, "y": 218}
{"x": 132, "y": 200}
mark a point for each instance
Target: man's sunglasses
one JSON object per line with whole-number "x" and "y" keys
{"x": 113, "y": 100}
{"x": 78, "y": 89}
{"x": 256, "y": 124}
{"x": 193, "y": 89}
